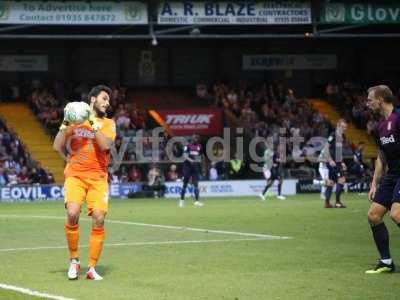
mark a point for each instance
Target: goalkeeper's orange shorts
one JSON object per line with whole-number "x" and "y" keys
{"x": 93, "y": 191}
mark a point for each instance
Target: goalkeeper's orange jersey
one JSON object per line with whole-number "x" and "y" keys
{"x": 85, "y": 159}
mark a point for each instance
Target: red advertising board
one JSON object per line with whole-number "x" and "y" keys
{"x": 184, "y": 122}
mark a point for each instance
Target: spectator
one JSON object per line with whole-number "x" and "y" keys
{"x": 156, "y": 181}
{"x": 172, "y": 174}
{"x": 3, "y": 149}
{"x": 232, "y": 96}
{"x": 8, "y": 164}
{"x": 134, "y": 174}
{"x": 213, "y": 173}
{"x": 236, "y": 167}
{"x": 236, "y": 109}
{"x": 371, "y": 126}
{"x": 222, "y": 169}
{"x": 122, "y": 119}
{"x": 290, "y": 99}
{"x": 202, "y": 93}
{"x": 123, "y": 174}
{"x": 3, "y": 177}
{"x": 23, "y": 177}
{"x": 50, "y": 177}
{"x": 42, "y": 174}
{"x": 114, "y": 178}
{"x": 12, "y": 177}
{"x": 34, "y": 177}
{"x": 137, "y": 119}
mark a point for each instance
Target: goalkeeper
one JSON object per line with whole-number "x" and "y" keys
{"x": 88, "y": 154}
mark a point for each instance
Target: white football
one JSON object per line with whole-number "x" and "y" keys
{"x": 76, "y": 112}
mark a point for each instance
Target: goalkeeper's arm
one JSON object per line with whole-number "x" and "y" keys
{"x": 60, "y": 140}
{"x": 103, "y": 141}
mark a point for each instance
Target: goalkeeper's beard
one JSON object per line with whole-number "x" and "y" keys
{"x": 99, "y": 113}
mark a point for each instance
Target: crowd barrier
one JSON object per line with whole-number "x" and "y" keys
{"x": 308, "y": 186}
{"x": 228, "y": 188}
{"x": 18, "y": 193}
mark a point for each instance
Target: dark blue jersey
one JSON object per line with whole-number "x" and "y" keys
{"x": 388, "y": 139}
{"x": 358, "y": 157}
{"x": 336, "y": 143}
{"x": 275, "y": 160}
{"x": 193, "y": 151}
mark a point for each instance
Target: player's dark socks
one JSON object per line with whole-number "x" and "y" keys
{"x": 328, "y": 193}
{"x": 183, "y": 190}
{"x": 361, "y": 187}
{"x": 339, "y": 190}
{"x": 381, "y": 238}
{"x": 280, "y": 189}
{"x": 196, "y": 193}
{"x": 266, "y": 188}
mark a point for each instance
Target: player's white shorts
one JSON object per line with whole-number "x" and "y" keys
{"x": 267, "y": 173}
{"x": 324, "y": 172}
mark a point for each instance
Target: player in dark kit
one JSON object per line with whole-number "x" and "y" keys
{"x": 333, "y": 153}
{"x": 272, "y": 172}
{"x": 359, "y": 168}
{"x": 192, "y": 169}
{"x": 385, "y": 192}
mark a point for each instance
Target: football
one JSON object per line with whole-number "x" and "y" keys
{"x": 76, "y": 112}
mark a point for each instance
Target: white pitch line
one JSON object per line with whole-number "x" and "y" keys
{"x": 260, "y": 235}
{"x": 31, "y": 292}
{"x": 136, "y": 244}
{"x": 33, "y": 248}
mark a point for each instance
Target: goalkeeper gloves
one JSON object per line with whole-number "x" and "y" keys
{"x": 64, "y": 126}
{"x": 93, "y": 122}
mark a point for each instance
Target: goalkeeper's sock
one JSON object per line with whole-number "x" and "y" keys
{"x": 72, "y": 233}
{"x": 95, "y": 245}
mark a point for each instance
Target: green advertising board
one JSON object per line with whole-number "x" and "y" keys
{"x": 361, "y": 12}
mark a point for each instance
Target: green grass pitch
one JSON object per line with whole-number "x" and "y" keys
{"x": 325, "y": 258}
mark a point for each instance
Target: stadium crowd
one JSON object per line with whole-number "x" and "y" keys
{"x": 263, "y": 109}
{"x": 350, "y": 98}
{"x": 16, "y": 164}
{"x": 273, "y": 110}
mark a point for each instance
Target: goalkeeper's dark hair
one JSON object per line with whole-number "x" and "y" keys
{"x": 95, "y": 91}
